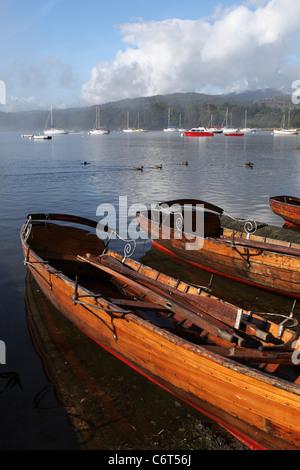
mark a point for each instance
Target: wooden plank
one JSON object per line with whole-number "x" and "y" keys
{"x": 275, "y": 271}
{"x": 213, "y": 326}
{"x": 221, "y": 311}
{"x": 256, "y": 356}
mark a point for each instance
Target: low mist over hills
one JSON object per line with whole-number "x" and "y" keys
{"x": 264, "y": 110}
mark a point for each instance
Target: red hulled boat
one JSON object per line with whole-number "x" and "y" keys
{"x": 199, "y": 132}
{"x": 288, "y": 208}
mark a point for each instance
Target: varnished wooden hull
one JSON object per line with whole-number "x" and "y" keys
{"x": 252, "y": 261}
{"x": 260, "y": 409}
{"x": 286, "y": 207}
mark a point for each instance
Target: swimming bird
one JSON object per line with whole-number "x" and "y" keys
{"x": 248, "y": 165}
{"x": 157, "y": 167}
{"x": 185, "y": 163}
{"x": 84, "y": 163}
{"x": 138, "y": 168}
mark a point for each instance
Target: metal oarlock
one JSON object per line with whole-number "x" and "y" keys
{"x": 128, "y": 248}
{"x": 75, "y": 299}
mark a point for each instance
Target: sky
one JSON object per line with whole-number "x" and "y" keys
{"x": 69, "y": 53}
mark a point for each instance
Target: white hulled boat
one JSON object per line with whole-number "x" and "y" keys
{"x": 246, "y": 129}
{"x": 138, "y": 125}
{"x": 53, "y": 130}
{"x": 170, "y": 128}
{"x": 285, "y": 130}
{"x": 98, "y": 130}
{"x": 129, "y": 129}
{"x": 228, "y": 129}
{"x": 212, "y": 128}
{"x": 137, "y": 129}
{"x": 215, "y": 129}
{"x": 41, "y": 137}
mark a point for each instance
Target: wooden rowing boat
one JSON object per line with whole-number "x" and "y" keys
{"x": 235, "y": 366}
{"x": 288, "y": 208}
{"x": 251, "y": 258}
{"x": 106, "y": 401}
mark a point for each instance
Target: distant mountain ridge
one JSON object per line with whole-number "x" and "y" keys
{"x": 256, "y": 94}
{"x": 264, "y": 109}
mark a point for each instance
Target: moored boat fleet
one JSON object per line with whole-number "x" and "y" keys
{"x": 234, "y": 365}
{"x": 210, "y": 130}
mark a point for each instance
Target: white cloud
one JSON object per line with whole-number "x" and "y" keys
{"x": 248, "y": 46}
{"x": 50, "y": 71}
{"x": 16, "y": 103}
{"x": 46, "y": 78}
{"x": 2, "y": 92}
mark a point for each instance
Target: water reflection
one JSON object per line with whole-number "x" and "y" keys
{"x": 215, "y": 172}
{"x": 11, "y": 379}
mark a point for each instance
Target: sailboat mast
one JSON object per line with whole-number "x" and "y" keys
{"x": 283, "y": 113}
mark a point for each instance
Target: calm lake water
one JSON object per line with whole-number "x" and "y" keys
{"x": 58, "y": 389}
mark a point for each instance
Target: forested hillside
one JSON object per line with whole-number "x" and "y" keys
{"x": 264, "y": 109}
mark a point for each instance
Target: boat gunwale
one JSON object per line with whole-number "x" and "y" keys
{"x": 290, "y": 254}
{"x": 288, "y": 208}
{"x": 278, "y": 199}
{"x": 229, "y": 237}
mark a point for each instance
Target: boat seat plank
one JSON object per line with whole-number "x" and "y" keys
{"x": 256, "y": 356}
{"x": 204, "y": 321}
{"x": 214, "y": 307}
{"x": 136, "y": 304}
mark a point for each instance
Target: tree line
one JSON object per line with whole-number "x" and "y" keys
{"x": 185, "y": 109}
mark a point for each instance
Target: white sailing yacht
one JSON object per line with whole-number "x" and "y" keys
{"x": 285, "y": 130}
{"x": 129, "y": 129}
{"x": 138, "y": 125}
{"x": 180, "y": 129}
{"x": 53, "y": 130}
{"x": 170, "y": 128}
{"x": 134, "y": 129}
{"x": 247, "y": 129}
{"x": 228, "y": 129}
{"x": 98, "y": 130}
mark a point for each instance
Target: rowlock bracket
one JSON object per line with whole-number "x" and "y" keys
{"x": 246, "y": 255}
{"x": 76, "y": 300}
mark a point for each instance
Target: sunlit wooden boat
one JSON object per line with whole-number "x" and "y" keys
{"x": 255, "y": 259}
{"x": 287, "y": 207}
{"x": 81, "y": 388}
{"x": 103, "y": 410}
{"x": 235, "y": 366}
